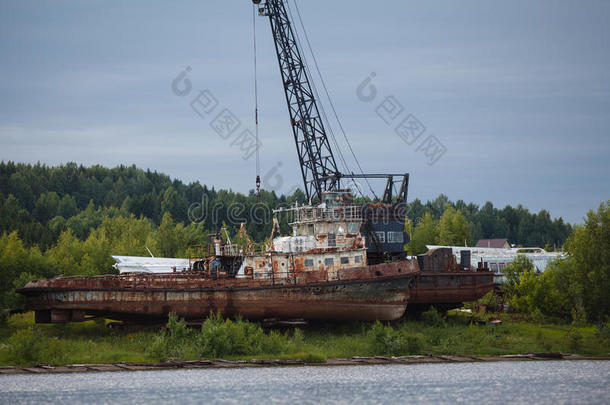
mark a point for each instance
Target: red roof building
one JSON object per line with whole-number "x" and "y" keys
{"x": 493, "y": 243}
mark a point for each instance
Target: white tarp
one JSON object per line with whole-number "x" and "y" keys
{"x": 132, "y": 264}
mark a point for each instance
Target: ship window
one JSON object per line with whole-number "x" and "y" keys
{"x": 381, "y": 236}
{"x": 345, "y": 260}
{"x": 332, "y": 240}
{"x": 309, "y": 263}
{"x": 353, "y": 227}
{"x": 329, "y": 261}
{"x": 358, "y": 259}
{"x": 395, "y": 237}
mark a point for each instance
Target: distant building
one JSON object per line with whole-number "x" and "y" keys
{"x": 493, "y": 243}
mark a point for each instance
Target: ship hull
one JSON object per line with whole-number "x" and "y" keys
{"x": 448, "y": 290}
{"x": 370, "y": 293}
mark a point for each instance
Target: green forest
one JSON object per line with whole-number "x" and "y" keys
{"x": 70, "y": 219}
{"x": 41, "y": 202}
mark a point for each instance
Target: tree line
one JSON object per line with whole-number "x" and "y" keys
{"x": 443, "y": 222}
{"x": 40, "y": 202}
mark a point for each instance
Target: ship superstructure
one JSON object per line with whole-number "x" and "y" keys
{"x": 326, "y": 238}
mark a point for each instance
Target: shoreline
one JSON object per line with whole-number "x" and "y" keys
{"x": 354, "y": 361}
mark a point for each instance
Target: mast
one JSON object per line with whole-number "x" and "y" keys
{"x": 318, "y": 165}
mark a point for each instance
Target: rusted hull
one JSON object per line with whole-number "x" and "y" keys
{"x": 449, "y": 289}
{"x": 369, "y": 293}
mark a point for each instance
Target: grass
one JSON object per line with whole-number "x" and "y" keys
{"x": 24, "y": 343}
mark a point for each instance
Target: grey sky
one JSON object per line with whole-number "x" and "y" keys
{"x": 518, "y": 92}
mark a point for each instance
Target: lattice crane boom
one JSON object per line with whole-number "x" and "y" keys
{"x": 318, "y": 165}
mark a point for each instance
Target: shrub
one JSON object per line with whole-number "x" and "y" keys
{"x": 275, "y": 343}
{"x": 436, "y": 335}
{"x": 433, "y": 318}
{"x": 298, "y": 340}
{"x": 538, "y": 316}
{"x": 221, "y": 337}
{"x": 176, "y": 329}
{"x": 25, "y": 346}
{"x": 603, "y": 333}
{"x": 543, "y": 341}
{"x": 574, "y": 342}
{"x": 30, "y": 346}
{"x": 173, "y": 341}
{"x": 413, "y": 344}
{"x": 490, "y": 300}
{"x": 384, "y": 340}
{"x": 579, "y": 316}
{"x": 514, "y": 270}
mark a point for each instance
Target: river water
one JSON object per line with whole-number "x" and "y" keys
{"x": 548, "y": 382}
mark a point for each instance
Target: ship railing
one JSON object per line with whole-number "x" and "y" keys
{"x": 231, "y": 250}
{"x": 290, "y": 277}
{"x": 282, "y": 277}
{"x": 316, "y": 214}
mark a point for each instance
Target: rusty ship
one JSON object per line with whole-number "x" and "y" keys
{"x": 320, "y": 272}
{"x": 342, "y": 261}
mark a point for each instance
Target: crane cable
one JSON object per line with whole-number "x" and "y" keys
{"x": 322, "y": 111}
{"x": 330, "y": 100}
{"x": 258, "y": 160}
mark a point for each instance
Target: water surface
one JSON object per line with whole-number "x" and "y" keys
{"x": 546, "y": 382}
